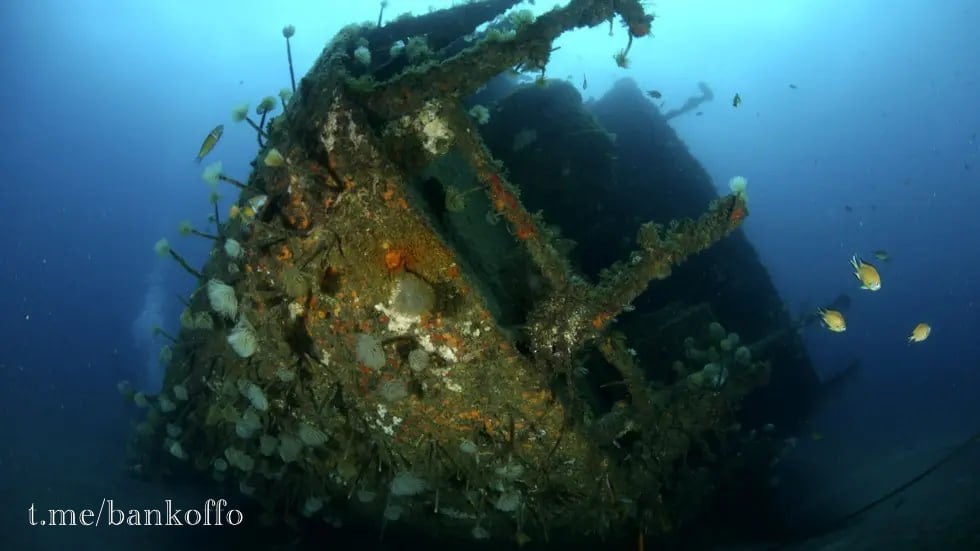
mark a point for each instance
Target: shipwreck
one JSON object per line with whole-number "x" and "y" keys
{"x": 440, "y": 306}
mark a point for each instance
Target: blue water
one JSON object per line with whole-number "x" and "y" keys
{"x": 105, "y": 103}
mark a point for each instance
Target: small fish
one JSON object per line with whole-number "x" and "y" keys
{"x": 848, "y": 208}
{"x": 249, "y": 210}
{"x": 793, "y": 86}
{"x": 737, "y": 100}
{"x": 866, "y": 274}
{"x": 832, "y": 320}
{"x": 655, "y": 94}
{"x": 585, "y": 83}
{"x": 920, "y": 333}
{"x": 256, "y": 203}
{"x": 882, "y": 255}
{"x": 210, "y": 141}
{"x": 699, "y": 113}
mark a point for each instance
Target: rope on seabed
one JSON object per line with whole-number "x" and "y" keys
{"x": 839, "y": 523}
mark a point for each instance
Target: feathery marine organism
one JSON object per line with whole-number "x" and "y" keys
{"x": 832, "y": 320}
{"x": 210, "y": 141}
{"x": 920, "y": 333}
{"x": 242, "y": 338}
{"x": 233, "y": 249}
{"x": 265, "y": 106}
{"x": 185, "y": 228}
{"x": 222, "y": 298}
{"x": 739, "y": 187}
{"x": 285, "y": 94}
{"x": 240, "y": 113}
{"x": 214, "y": 172}
{"x": 162, "y": 248}
{"x": 274, "y": 158}
{"x": 866, "y": 274}
{"x": 287, "y": 32}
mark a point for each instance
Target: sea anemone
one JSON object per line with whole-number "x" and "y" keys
{"x": 406, "y": 483}
{"x": 480, "y": 113}
{"x": 363, "y": 55}
{"x": 370, "y": 352}
{"x": 215, "y": 172}
{"x": 162, "y": 248}
{"x": 739, "y": 186}
{"x": 222, "y": 298}
{"x": 244, "y": 342}
{"x": 274, "y": 159}
{"x": 285, "y": 94}
{"x": 397, "y": 48}
{"x": 239, "y": 112}
{"x": 233, "y": 249}
{"x": 310, "y": 435}
{"x": 267, "y": 104}
{"x": 212, "y": 173}
{"x": 253, "y": 392}
{"x": 184, "y": 227}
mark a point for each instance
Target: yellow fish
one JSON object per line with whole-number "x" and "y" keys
{"x": 867, "y": 274}
{"x": 833, "y": 320}
{"x": 256, "y": 203}
{"x": 920, "y": 332}
{"x": 210, "y": 141}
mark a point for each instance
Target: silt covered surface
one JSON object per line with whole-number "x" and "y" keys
{"x": 414, "y": 349}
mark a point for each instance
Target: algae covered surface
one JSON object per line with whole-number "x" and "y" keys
{"x": 413, "y": 347}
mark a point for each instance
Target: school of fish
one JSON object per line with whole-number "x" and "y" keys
{"x": 870, "y": 280}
